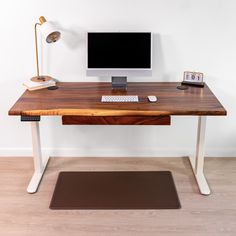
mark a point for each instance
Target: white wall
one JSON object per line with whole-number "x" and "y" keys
{"x": 189, "y": 35}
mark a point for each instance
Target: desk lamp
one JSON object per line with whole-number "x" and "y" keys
{"x": 51, "y": 35}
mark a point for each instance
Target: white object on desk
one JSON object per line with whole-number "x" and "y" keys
{"x": 31, "y": 85}
{"x": 126, "y": 98}
{"x": 152, "y": 98}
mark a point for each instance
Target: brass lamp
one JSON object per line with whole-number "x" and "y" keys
{"x": 51, "y": 35}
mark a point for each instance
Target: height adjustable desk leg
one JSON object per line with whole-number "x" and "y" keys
{"x": 39, "y": 163}
{"x": 197, "y": 162}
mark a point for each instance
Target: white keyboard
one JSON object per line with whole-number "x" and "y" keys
{"x": 126, "y": 98}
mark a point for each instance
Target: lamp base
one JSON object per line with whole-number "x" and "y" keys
{"x": 41, "y": 78}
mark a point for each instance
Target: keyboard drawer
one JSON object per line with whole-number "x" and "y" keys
{"x": 116, "y": 120}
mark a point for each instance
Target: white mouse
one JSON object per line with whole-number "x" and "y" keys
{"x": 152, "y": 98}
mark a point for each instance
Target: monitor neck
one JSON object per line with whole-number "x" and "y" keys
{"x": 119, "y": 82}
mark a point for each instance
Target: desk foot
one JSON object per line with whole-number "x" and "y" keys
{"x": 36, "y": 178}
{"x": 200, "y": 179}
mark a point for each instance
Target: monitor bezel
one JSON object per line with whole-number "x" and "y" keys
{"x": 119, "y": 71}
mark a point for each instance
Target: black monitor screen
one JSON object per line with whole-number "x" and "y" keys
{"x": 119, "y": 50}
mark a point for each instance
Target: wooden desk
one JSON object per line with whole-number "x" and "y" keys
{"x": 80, "y": 103}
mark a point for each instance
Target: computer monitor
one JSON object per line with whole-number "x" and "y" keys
{"x": 119, "y": 54}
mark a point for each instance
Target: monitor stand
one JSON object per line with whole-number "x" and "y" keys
{"x": 119, "y": 82}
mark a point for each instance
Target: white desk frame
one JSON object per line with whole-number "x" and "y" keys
{"x": 197, "y": 162}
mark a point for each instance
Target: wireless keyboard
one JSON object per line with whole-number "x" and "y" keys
{"x": 126, "y": 98}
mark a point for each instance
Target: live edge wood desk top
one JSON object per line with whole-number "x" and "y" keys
{"x": 84, "y": 99}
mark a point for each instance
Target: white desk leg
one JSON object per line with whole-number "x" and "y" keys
{"x": 39, "y": 164}
{"x": 197, "y": 162}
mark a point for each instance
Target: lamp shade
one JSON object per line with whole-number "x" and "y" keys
{"x": 50, "y": 32}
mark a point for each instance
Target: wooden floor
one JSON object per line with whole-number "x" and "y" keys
{"x": 28, "y": 214}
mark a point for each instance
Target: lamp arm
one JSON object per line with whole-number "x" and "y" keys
{"x": 36, "y": 47}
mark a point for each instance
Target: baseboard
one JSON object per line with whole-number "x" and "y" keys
{"x": 96, "y": 152}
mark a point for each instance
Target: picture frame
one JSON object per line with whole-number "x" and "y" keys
{"x": 193, "y": 78}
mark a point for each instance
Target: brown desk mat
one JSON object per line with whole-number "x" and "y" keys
{"x": 115, "y": 190}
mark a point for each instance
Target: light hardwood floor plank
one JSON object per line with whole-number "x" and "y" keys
{"x": 23, "y": 214}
